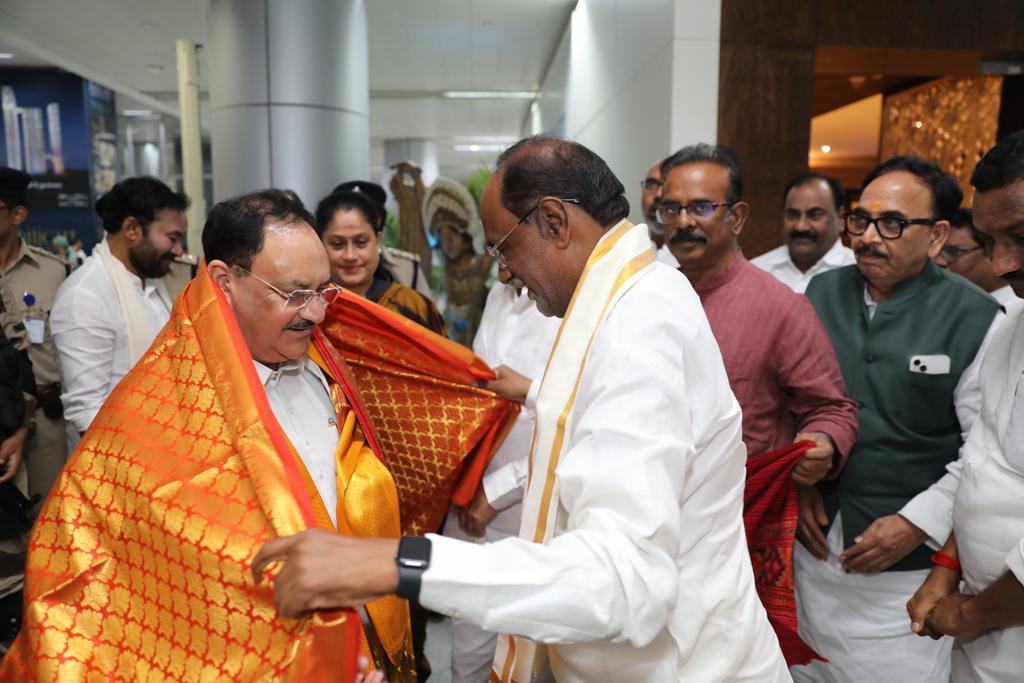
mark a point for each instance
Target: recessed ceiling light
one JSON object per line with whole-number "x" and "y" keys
{"x": 483, "y": 139}
{"x": 490, "y": 94}
{"x": 137, "y": 112}
{"x": 6, "y": 55}
{"x": 481, "y": 148}
{"x": 826, "y": 148}
{"x": 155, "y": 68}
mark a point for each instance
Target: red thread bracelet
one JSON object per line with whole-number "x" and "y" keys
{"x": 946, "y": 560}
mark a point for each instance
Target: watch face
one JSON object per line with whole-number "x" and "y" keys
{"x": 414, "y": 551}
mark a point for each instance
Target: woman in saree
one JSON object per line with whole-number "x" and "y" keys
{"x": 350, "y": 225}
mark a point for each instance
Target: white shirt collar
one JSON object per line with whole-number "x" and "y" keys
{"x": 870, "y": 303}
{"x": 834, "y": 256}
{"x": 295, "y": 366}
{"x": 1004, "y": 295}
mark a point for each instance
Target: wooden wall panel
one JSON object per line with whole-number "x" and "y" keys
{"x": 763, "y": 90}
{"x": 767, "y": 68}
{"x": 940, "y": 24}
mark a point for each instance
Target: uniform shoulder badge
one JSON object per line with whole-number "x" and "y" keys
{"x": 40, "y": 252}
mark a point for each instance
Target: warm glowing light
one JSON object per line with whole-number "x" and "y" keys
{"x": 918, "y": 124}
{"x": 826, "y": 148}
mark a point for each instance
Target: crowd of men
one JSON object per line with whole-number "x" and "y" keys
{"x": 606, "y": 541}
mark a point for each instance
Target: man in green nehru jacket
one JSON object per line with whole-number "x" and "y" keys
{"x": 908, "y": 336}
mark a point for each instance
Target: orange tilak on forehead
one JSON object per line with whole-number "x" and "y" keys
{"x": 876, "y": 206}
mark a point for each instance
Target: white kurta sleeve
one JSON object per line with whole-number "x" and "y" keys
{"x": 967, "y": 395}
{"x": 1015, "y": 561}
{"x": 931, "y": 511}
{"x": 504, "y": 486}
{"x": 85, "y": 340}
{"x": 611, "y": 573}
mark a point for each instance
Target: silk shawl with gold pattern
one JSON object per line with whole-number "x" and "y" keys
{"x": 437, "y": 429}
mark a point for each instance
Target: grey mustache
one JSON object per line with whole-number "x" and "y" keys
{"x": 869, "y": 250}
{"x": 301, "y": 325}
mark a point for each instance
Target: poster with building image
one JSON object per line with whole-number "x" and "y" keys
{"x": 61, "y": 129}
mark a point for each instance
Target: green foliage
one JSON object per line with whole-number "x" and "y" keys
{"x": 477, "y": 182}
{"x": 391, "y": 230}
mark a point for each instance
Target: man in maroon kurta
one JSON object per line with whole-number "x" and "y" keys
{"x": 777, "y": 355}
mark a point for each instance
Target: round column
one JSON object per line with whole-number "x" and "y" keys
{"x": 289, "y": 95}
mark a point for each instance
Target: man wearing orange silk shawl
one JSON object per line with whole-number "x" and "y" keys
{"x": 240, "y": 424}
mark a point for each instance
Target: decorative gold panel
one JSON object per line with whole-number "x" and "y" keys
{"x": 951, "y": 121}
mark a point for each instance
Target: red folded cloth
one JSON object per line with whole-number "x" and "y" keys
{"x": 770, "y": 516}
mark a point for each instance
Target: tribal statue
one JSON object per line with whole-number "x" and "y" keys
{"x": 451, "y": 218}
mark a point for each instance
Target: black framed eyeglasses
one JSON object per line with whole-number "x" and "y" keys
{"x": 495, "y": 249}
{"x": 668, "y": 213}
{"x": 954, "y": 253}
{"x": 298, "y": 299}
{"x": 888, "y": 227}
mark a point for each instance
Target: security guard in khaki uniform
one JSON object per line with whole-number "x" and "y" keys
{"x": 29, "y": 278}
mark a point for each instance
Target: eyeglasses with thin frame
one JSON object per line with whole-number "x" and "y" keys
{"x": 650, "y": 184}
{"x": 298, "y": 299}
{"x": 668, "y": 213}
{"x": 888, "y": 227}
{"x": 954, "y": 253}
{"x": 495, "y": 249}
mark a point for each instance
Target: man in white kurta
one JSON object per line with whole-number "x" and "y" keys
{"x": 513, "y": 335}
{"x": 987, "y": 515}
{"x": 107, "y": 313}
{"x": 985, "y": 548}
{"x": 634, "y": 566}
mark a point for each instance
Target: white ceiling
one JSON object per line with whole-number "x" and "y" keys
{"x": 417, "y": 48}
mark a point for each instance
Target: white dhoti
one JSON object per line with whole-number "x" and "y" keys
{"x": 859, "y": 623}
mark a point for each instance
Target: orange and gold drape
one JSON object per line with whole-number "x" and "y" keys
{"x": 367, "y": 507}
{"x": 139, "y": 563}
{"x": 138, "y": 566}
{"x": 435, "y": 428}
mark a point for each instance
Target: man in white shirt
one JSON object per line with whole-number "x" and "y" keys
{"x": 650, "y": 193}
{"x": 110, "y": 309}
{"x": 810, "y": 230}
{"x": 632, "y": 563}
{"x": 514, "y": 338}
{"x": 965, "y": 256}
{"x": 985, "y": 549}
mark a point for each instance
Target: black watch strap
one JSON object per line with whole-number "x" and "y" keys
{"x": 412, "y": 559}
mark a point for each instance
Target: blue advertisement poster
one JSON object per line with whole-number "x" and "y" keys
{"x": 60, "y": 129}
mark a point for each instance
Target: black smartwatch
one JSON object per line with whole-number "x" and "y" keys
{"x": 412, "y": 559}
